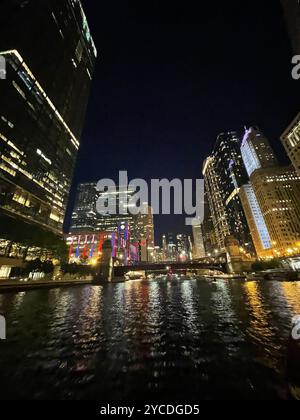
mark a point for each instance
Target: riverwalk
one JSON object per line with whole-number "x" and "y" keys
{"x": 20, "y": 286}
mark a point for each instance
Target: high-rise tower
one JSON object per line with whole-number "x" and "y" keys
{"x": 50, "y": 57}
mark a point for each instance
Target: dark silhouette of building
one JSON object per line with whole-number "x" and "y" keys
{"x": 292, "y": 16}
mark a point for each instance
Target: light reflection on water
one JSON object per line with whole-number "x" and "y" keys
{"x": 191, "y": 339}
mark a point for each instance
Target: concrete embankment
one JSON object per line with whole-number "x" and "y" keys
{"x": 17, "y": 286}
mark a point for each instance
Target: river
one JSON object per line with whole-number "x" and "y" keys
{"x": 187, "y": 340}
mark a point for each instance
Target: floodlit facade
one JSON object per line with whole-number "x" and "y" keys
{"x": 278, "y": 194}
{"x": 256, "y": 151}
{"x": 256, "y": 222}
{"x": 291, "y": 142}
{"x": 272, "y": 198}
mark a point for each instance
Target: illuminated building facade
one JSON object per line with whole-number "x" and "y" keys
{"x": 84, "y": 216}
{"x": 272, "y": 198}
{"x": 137, "y": 230}
{"x": 177, "y": 247}
{"x": 122, "y": 216}
{"x": 184, "y": 247}
{"x": 209, "y": 236}
{"x": 292, "y": 16}
{"x": 159, "y": 255}
{"x": 256, "y": 151}
{"x": 224, "y": 173}
{"x": 278, "y": 194}
{"x": 87, "y": 247}
{"x": 291, "y": 142}
{"x": 85, "y": 213}
{"x": 198, "y": 247}
{"x": 143, "y": 232}
{"x": 216, "y": 202}
{"x": 171, "y": 247}
{"x": 165, "y": 247}
{"x": 49, "y": 63}
{"x": 256, "y": 222}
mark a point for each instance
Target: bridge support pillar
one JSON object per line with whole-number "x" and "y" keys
{"x": 237, "y": 263}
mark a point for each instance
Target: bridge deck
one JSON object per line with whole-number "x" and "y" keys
{"x": 164, "y": 267}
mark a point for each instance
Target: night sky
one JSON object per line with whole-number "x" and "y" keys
{"x": 170, "y": 78}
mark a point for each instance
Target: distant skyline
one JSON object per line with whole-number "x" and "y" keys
{"x": 169, "y": 79}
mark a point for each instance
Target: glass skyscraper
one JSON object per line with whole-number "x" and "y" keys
{"x": 224, "y": 174}
{"x": 86, "y": 218}
{"x": 50, "y": 57}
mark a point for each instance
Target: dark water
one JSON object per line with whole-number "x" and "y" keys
{"x": 146, "y": 340}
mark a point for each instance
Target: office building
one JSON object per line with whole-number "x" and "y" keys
{"x": 256, "y": 222}
{"x": 256, "y": 151}
{"x": 50, "y": 57}
{"x": 291, "y": 142}
{"x": 84, "y": 216}
{"x": 121, "y": 218}
{"x": 143, "y": 232}
{"x": 198, "y": 242}
{"x": 272, "y": 198}
{"x": 165, "y": 247}
{"x": 224, "y": 173}
{"x": 184, "y": 247}
{"x": 278, "y": 194}
{"x": 209, "y": 236}
{"x": 136, "y": 229}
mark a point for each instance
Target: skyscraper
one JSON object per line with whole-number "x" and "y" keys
{"x": 292, "y": 16}
{"x": 84, "y": 216}
{"x": 291, "y": 142}
{"x": 209, "y": 235}
{"x": 184, "y": 247}
{"x": 271, "y": 198}
{"x": 138, "y": 229}
{"x": 50, "y": 62}
{"x": 278, "y": 193}
{"x": 165, "y": 247}
{"x": 171, "y": 247}
{"x": 143, "y": 230}
{"x": 224, "y": 174}
{"x": 121, "y": 218}
{"x": 256, "y": 151}
{"x": 198, "y": 248}
{"x": 256, "y": 222}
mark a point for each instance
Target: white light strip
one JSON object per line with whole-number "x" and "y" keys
{"x": 22, "y": 62}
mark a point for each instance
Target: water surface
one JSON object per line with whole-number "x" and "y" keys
{"x": 189, "y": 340}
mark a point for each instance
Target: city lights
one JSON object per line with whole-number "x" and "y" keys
{"x": 149, "y": 227}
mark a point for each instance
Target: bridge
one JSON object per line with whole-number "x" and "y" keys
{"x": 107, "y": 271}
{"x": 148, "y": 268}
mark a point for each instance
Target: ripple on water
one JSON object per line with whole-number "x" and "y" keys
{"x": 196, "y": 339}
